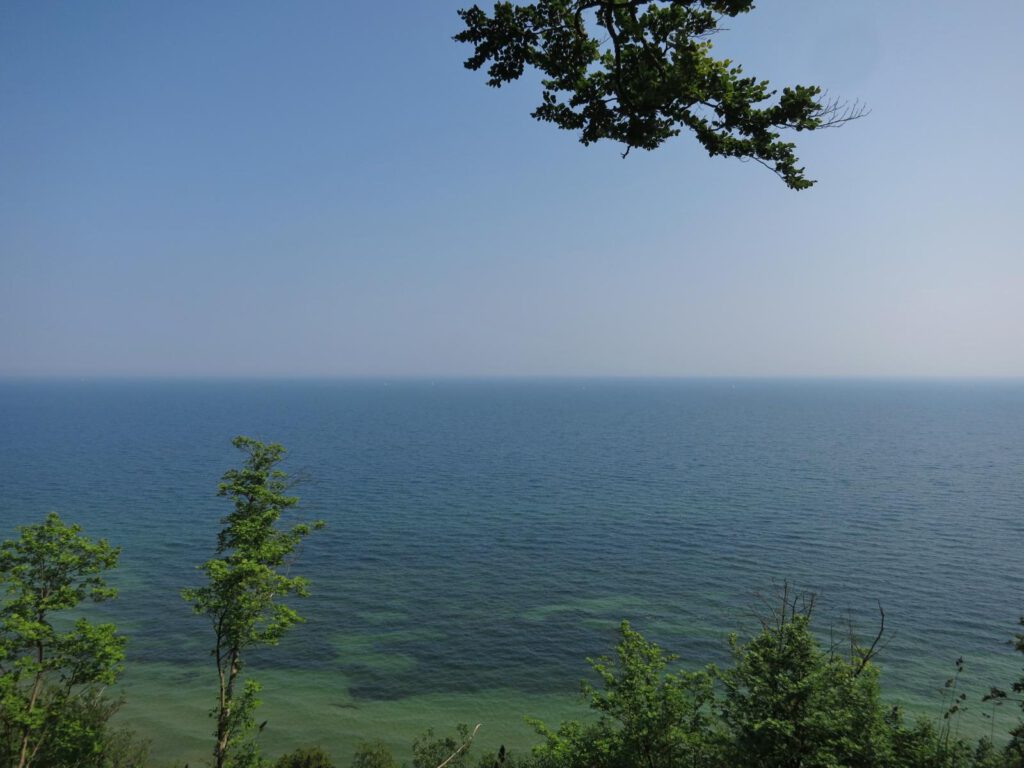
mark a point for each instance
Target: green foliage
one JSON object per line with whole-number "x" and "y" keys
{"x": 1015, "y": 749}
{"x": 246, "y": 586}
{"x": 987, "y": 756}
{"x": 81, "y": 736}
{"x": 312, "y": 757}
{"x": 785, "y": 702}
{"x": 504, "y": 759}
{"x": 373, "y": 754}
{"x": 924, "y": 746}
{"x": 647, "y": 716}
{"x": 789, "y": 704}
{"x": 641, "y": 72}
{"x": 429, "y": 751}
{"x": 49, "y": 676}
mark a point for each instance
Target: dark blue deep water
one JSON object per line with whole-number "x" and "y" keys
{"x": 484, "y": 537}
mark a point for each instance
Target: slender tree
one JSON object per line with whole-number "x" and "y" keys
{"x": 247, "y": 584}
{"x": 49, "y": 669}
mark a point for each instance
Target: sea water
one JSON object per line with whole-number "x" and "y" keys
{"x": 485, "y": 537}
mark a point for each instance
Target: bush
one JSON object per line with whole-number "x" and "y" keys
{"x": 373, "y": 754}
{"x": 311, "y": 757}
{"x": 430, "y": 752}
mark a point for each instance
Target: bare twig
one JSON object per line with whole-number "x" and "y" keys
{"x": 872, "y": 651}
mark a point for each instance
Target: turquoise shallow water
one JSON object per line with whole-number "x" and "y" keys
{"x": 485, "y": 537}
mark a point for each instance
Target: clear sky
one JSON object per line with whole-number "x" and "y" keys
{"x": 320, "y": 188}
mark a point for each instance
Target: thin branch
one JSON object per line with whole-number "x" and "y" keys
{"x": 872, "y": 651}
{"x": 460, "y": 750}
{"x": 836, "y": 112}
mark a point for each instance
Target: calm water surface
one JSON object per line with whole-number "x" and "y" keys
{"x": 485, "y": 537}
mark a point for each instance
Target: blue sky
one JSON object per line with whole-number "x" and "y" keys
{"x": 320, "y": 188}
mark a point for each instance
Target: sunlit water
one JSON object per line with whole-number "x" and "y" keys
{"x": 484, "y": 538}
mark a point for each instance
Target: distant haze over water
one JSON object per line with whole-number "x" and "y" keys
{"x": 484, "y": 537}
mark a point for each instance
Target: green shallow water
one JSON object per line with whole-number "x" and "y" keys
{"x": 169, "y": 705}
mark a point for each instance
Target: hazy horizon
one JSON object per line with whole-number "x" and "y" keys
{"x": 456, "y": 378}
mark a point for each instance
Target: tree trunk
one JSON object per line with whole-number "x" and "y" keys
{"x": 220, "y": 751}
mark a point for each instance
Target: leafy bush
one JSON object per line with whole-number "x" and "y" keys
{"x": 373, "y": 754}
{"x": 312, "y": 757}
{"x": 647, "y": 717}
{"x": 430, "y": 752}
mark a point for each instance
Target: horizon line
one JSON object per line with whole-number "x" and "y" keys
{"x": 468, "y": 377}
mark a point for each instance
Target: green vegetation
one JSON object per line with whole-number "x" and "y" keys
{"x": 52, "y": 708}
{"x": 373, "y": 754}
{"x": 305, "y": 758}
{"x": 641, "y": 72}
{"x": 785, "y": 700}
{"x": 243, "y": 598}
{"x": 1016, "y": 746}
{"x": 645, "y": 714}
{"x": 788, "y": 702}
{"x": 429, "y": 751}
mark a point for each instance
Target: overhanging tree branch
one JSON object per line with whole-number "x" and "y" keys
{"x": 639, "y": 72}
